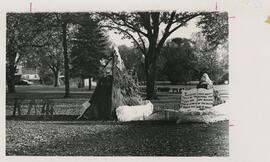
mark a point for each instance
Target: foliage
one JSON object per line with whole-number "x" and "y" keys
{"x": 147, "y": 26}
{"x": 213, "y": 61}
{"x": 46, "y": 77}
{"x": 89, "y": 47}
{"x": 48, "y": 59}
{"x": 24, "y": 30}
{"x": 32, "y": 34}
{"x": 144, "y": 28}
{"x": 215, "y": 28}
{"x": 133, "y": 60}
{"x": 180, "y": 65}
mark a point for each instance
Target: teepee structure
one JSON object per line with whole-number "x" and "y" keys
{"x": 115, "y": 88}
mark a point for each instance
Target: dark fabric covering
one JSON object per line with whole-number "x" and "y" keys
{"x": 101, "y": 102}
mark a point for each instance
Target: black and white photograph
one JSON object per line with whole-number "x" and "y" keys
{"x": 125, "y": 80}
{"x": 141, "y": 83}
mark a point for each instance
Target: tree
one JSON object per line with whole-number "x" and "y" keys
{"x": 133, "y": 60}
{"x": 66, "y": 22}
{"x": 212, "y": 40}
{"x": 144, "y": 28}
{"x": 62, "y": 20}
{"x": 213, "y": 61}
{"x": 89, "y": 47}
{"x": 23, "y": 31}
{"x": 180, "y": 64}
{"x": 47, "y": 58}
{"x": 51, "y": 56}
{"x": 215, "y": 28}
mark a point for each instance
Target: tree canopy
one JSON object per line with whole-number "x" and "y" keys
{"x": 89, "y": 48}
{"x": 215, "y": 28}
{"x": 81, "y": 40}
{"x": 24, "y": 31}
{"x": 180, "y": 65}
{"x": 145, "y": 29}
{"x": 133, "y": 60}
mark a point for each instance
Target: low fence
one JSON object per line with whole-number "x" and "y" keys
{"x": 24, "y": 105}
{"x": 165, "y": 89}
{"x": 43, "y": 106}
{"x": 177, "y": 90}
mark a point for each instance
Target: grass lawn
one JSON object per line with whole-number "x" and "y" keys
{"x": 108, "y": 138}
{"x": 84, "y": 138}
{"x": 73, "y": 105}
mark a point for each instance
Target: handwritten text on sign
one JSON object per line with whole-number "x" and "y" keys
{"x": 197, "y": 98}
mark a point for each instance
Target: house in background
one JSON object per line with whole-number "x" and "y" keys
{"x": 93, "y": 83}
{"x": 30, "y": 74}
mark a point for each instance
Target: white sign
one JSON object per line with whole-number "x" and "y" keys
{"x": 197, "y": 98}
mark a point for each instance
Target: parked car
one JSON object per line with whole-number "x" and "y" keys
{"x": 24, "y": 82}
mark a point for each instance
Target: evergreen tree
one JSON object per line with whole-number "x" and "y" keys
{"x": 89, "y": 48}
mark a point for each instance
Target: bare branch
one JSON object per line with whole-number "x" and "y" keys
{"x": 130, "y": 35}
{"x": 129, "y": 25}
{"x": 168, "y": 33}
{"x": 167, "y": 29}
{"x": 125, "y": 24}
{"x": 52, "y": 67}
{"x": 143, "y": 43}
{"x": 18, "y": 60}
{"x": 183, "y": 23}
{"x": 32, "y": 45}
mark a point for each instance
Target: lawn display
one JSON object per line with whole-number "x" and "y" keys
{"x": 116, "y": 88}
{"x": 138, "y": 112}
{"x": 116, "y": 97}
{"x": 211, "y": 115}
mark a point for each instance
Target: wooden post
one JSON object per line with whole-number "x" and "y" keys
{"x": 197, "y": 98}
{"x": 43, "y": 106}
{"x": 30, "y": 106}
{"x": 47, "y": 107}
{"x": 15, "y": 107}
{"x": 35, "y": 106}
{"x": 51, "y": 107}
{"x": 19, "y": 108}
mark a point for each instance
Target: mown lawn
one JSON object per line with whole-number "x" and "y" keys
{"x": 73, "y": 105}
{"x": 97, "y": 138}
{"x": 85, "y": 138}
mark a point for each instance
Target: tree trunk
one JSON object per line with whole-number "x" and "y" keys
{"x": 11, "y": 68}
{"x": 150, "y": 71}
{"x": 90, "y": 84}
{"x": 11, "y": 79}
{"x": 56, "y": 79}
{"x": 150, "y": 83}
{"x": 66, "y": 62}
{"x": 82, "y": 83}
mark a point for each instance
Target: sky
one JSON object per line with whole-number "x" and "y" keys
{"x": 183, "y": 32}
